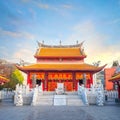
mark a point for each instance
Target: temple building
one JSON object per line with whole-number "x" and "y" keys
{"x": 60, "y": 64}
{"x": 115, "y": 80}
{"x": 3, "y": 80}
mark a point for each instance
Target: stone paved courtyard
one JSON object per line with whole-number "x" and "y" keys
{"x": 10, "y": 112}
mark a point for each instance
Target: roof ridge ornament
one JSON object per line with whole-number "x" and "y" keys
{"x": 59, "y": 46}
{"x": 39, "y": 44}
{"x": 81, "y": 44}
{"x": 77, "y": 42}
{"x": 60, "y": 42}
{"x": 43, "y": 42}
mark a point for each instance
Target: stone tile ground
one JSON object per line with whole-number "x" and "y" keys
{"x": 10, "y": 112}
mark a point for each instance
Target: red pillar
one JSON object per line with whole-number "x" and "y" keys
{"x": 88, "y": 81}
{"x": 74, "y": 81}
{"x": 91, "y": 78}
{"x": 46, "y": 82}
{"x": 43, "y": 84}
{"x": 77, "y": 82}
{"x": 28, "y": 79}
{"x": 46, "y": 87}
{"x": 66, "y": 84}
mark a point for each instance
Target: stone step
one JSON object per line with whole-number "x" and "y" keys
{"x": 73, "y": 97}
{"x": 74, "y": 102}
{"x": 45, "y": 96}
{"x": 54, "y": 93}
{"x": 48, "y": 93}
{"x": 71, "y": 93}
{"x": 70, "y": 100}
{"x": 44, "y": 102}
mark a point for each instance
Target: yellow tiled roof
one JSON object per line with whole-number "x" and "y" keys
{"x": 115, "y": 77}
{"x": 3, "y": 79}
{"x": 58, "y": 52}
{"x": 79, "y": 67}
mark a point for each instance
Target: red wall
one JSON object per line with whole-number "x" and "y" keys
{"x": 109, "y": 72}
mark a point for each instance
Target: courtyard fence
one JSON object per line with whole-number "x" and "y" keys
{"x": 6, "y": 94}
{"x": 112, "y": 94}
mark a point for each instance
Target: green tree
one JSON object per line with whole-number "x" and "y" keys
{"x": 16, "y": 78}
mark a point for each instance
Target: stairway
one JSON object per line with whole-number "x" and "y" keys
{"x": 68, "y": 99}
{"x": 74, "y": 100}
{"x": 45, "y": 100}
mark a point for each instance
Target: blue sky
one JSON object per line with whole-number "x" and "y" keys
{"x": 23, "y": 22}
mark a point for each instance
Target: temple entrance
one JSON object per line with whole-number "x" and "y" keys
{"x": 81, "y": 82}
{"x": 52, "y": 85}
{"x": 38, "y": 82}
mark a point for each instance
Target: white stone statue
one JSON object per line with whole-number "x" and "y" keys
{"x": 27, "y": 89}
{"x": 79, "y": 90}
{"x": 23, "y": 90}
{"x": 35, "y": 95}
{"x": 19, "y": 98}
{"x": 60, "y": 88}
{"x": 99, "y": 96}
{"x": 92, "y": 89}
{"x": 83, "y": 93}
{"x": 40, "y": 88}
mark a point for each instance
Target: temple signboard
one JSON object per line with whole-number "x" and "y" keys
{"x": 57, "y": 76}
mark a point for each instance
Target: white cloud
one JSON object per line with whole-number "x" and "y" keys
{"x": 3, "y": 51}
{"x": 33, "y": 13}
{"x": 26, "y": 1}
{"x": 25, "y": 54}
{"x": 25, "y": 35}
{"x": 95, "y": 43}
{"x": 43, "y": 6}
{"x": 19, "y": 12}
{"x": 62, "y": 9}
{"x": 48, "y": 6}
{"x": 23, "y": 50}
{"x": 38, "y": 4}
{"x": 67, "y": 6}
{"x": 115, "y": 21}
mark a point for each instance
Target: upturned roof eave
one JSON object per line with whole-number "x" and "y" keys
{"x": 114, "y": 79}
{"x": 77, "y": 70}
{"x": 3, "y": 79}
{"x": 37, "y": 56}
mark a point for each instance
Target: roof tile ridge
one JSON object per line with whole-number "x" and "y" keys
{"x": 59, "y": 46}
